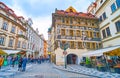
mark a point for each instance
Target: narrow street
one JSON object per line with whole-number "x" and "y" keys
{"x": 46, "y": 70}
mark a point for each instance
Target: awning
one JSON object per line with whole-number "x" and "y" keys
{"x": 100, "y": 51}
{"x": 2, "y": 52}
{"x": 12, "y": 51}
{"x": 115, "y": 52}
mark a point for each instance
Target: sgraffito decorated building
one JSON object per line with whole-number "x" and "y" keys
{"x": 79, "y": 30}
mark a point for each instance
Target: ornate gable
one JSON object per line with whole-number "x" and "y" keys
{"x": 71, "y": 9}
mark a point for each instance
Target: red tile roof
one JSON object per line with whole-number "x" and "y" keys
{"x": 79, "y": 14}
{"x": 7, "y": 9}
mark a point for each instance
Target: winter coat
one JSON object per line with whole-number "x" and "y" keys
{"x": 24, "y": 62}
{"x": 1, "y": 61}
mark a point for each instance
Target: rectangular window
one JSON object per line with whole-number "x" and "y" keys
{"x": 5, "y": 26}
{"x": 95, "y": 34}
{"x": 71, "y": 21}
{"x": 113, "y": 7}
{"x": 11, "y": 43}
{"x": 108, "y": 31}
{"x": 20, "y": 32}
{"x": 13, "y": 29}
{"x": 118, "y": 3}
{"x": 2, "y": 40}
{"x": 24, "y": 45}
{"x": 63, "y": 20}
{"x": 104, "y": 15}
{"x": 103, "y": 33}
{"x": 117, "y": 24}
{"x": 19, "y": 43}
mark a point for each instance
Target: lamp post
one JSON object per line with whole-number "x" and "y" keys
{"x": 64, "y": 47}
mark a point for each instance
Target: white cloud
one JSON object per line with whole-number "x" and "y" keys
{"x": 42, "y": 23}
{"x": 17, "y": 9}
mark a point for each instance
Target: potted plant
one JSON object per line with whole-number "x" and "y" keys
{"x": 88, "y": 63}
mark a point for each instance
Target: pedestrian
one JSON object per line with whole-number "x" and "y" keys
{"x": 13, "y": 61}
{"x": 1, "y": 61}
{"x": 9, "y": 60}
{"x": 24, "y": 63}
{"x": 20, "y": 61}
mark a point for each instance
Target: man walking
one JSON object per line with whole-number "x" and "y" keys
{"x": 20, "y": 64}
{"x": 24, "y": 63}
{"x": 1, "y": 61}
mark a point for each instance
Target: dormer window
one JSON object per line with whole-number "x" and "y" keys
{"x": 2, "y": 6}
{"x": 11, "y": 12}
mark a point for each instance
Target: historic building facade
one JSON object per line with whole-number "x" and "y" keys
{"x": 79, "y": 30}
{"x": 12, "y": 30}
{"x": 45, "y": 49}
{"x": 34, "y": 40}
{"x": 108, "y": 12}
{"x": 16, "y": 33}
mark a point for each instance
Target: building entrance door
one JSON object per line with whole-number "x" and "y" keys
{"x": 72, "y": 59}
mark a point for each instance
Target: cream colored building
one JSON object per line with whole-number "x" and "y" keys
{"x": 79, "y": 30}
{"x": 12, "y": 30}
{"x": 34, "y": 40}
{"x": 108, "y": 12}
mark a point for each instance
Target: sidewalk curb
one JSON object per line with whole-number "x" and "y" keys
{"x": 75, "y": 72}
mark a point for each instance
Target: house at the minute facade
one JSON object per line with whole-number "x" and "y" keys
{"x": 12, "y": 30}
{"x": 108, "y": 12}
{"x": 79, "y": 30}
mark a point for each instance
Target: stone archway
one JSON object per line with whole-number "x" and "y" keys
{"x": 72, "y": 59}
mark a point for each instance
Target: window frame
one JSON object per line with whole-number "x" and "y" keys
{"x": 104, "y": 15}
{"x": 117, "y": 25}
{"x": 11, "y": 43}
{"x": 118, "y": 3}
{"x": 3, "y": 40}
{"x": 12, "y": 29}
{"x": 5, "y": 25}
{"x": 18, "y": 44}
{"x": 108, "y": 31}
{"x": 104, "y": 33}
{"x": 113, "y": 7}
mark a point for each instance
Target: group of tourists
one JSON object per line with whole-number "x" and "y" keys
{"x": 38, "y": 60}
{"x": 21, "y": 61}
{"x": 11, "y": 61}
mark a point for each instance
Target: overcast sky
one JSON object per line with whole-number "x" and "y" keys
{"x": 40, "y": 11}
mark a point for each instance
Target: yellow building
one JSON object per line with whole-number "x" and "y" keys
{"x": 12, "y": 30}
{"x": 45, "y": 49}
{"x": 108, "y": 12}
{"x": 80, "y": 30}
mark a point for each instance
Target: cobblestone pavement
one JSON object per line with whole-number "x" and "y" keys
{"x": 88, "y": 71}
{"x": 46, "y": 70}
